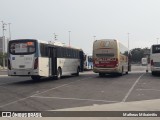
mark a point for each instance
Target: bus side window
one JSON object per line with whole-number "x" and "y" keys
{"x": 74, "y": 55}
{"x": 71, "y": 53}
{"x": 43, "y": 50}
{"x": 63, "y": 52}
{"x": 59, "y": 52}
{"x": 67, "y": 52}
{"x": 46, "y": 51}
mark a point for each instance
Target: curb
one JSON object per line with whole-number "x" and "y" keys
{"x": 3, "y": 69}
{"x": 3, "y": 75}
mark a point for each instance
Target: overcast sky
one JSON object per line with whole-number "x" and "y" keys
{"x": 105, "y": 19}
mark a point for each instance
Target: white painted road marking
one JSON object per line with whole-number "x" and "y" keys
{"x": 131, "y": 89}
{"x": 42, "y": 92}
{"x": 73, "y": 99}
{"x": 149, "y": 89}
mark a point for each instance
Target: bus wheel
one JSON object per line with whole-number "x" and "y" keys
{"x": 35, "y": 78}
{"x": 101, "y": 74}
{"x": 59, "y": 74}
{"x": 153, "y": 73}
{"x": 77, "y": 74}
{"x": 121, "y": 72}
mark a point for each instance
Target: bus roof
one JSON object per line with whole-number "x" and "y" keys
{"x": 103, "y": 40}
{"x": 55, "y": 43}
{"x": 110, "y": 40}
{"x": 58, "y": 43}
{"x": 41, "y": 41}
{"x": 155, "y": 45}
{"x": 106, "y": 40}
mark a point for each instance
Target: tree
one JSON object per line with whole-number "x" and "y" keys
{"x": 138, "y": 54}
{"x": 1, "y": 58}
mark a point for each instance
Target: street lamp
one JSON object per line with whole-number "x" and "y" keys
{"x": 128, "y": 41}
{"x": 69, "y": 38}
{"x": 9, "y": 31}
{"x": 55, "y": 36}
{"x": 157, "y": 40}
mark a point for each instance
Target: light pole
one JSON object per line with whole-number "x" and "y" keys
{"x": 55, "y": 37}
{"x": 157, "y": 40}
{"x": 9, "y": 31}
{"x": 128, "y": 40}
{"x": 69, "y": 38}
{"x": 3, "y": 42}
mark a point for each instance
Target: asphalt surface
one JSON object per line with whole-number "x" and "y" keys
{"x": 23, "y": 94}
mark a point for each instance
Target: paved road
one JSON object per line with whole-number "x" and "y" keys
{"x": 22, "y": 94}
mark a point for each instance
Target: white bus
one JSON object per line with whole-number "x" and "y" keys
{"x": 35, "y": 58}
{"x": 155, "y": 59}
{"x": 110, "y": 56}
{"x": 88, "y": 62}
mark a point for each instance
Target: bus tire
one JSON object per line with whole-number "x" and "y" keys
{"x": 101, "y": 74}
{"x": 121, "y": 72}
{"x": 36, "y": 78}
{"x": 77, "y": 74}
{"x": 59, "y": 74}
{"x": 153, "y": 73}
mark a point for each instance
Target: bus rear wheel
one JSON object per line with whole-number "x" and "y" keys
{"x": 101, "y": 74}
{"x": 153, "y": 73}
{"x": 36, "y": 78}
{"x": 121, "y": 74}
{"x": 59, "y": 74}
{"x": 77, "y": 74}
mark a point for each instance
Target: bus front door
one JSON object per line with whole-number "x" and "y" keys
{"x": 53, "y": 61}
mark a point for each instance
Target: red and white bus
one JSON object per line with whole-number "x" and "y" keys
{"x": 110, "y": 56}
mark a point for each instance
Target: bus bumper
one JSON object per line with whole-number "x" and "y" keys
{"x": 106, "y": 70}
{"x": 22, "y": 72}
{"x": 155, "y": 69}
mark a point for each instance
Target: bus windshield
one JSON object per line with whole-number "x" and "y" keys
{"x": 156, "y": 49}
{"x": 105, "y": 55}
{"x": 22, "y": 47}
